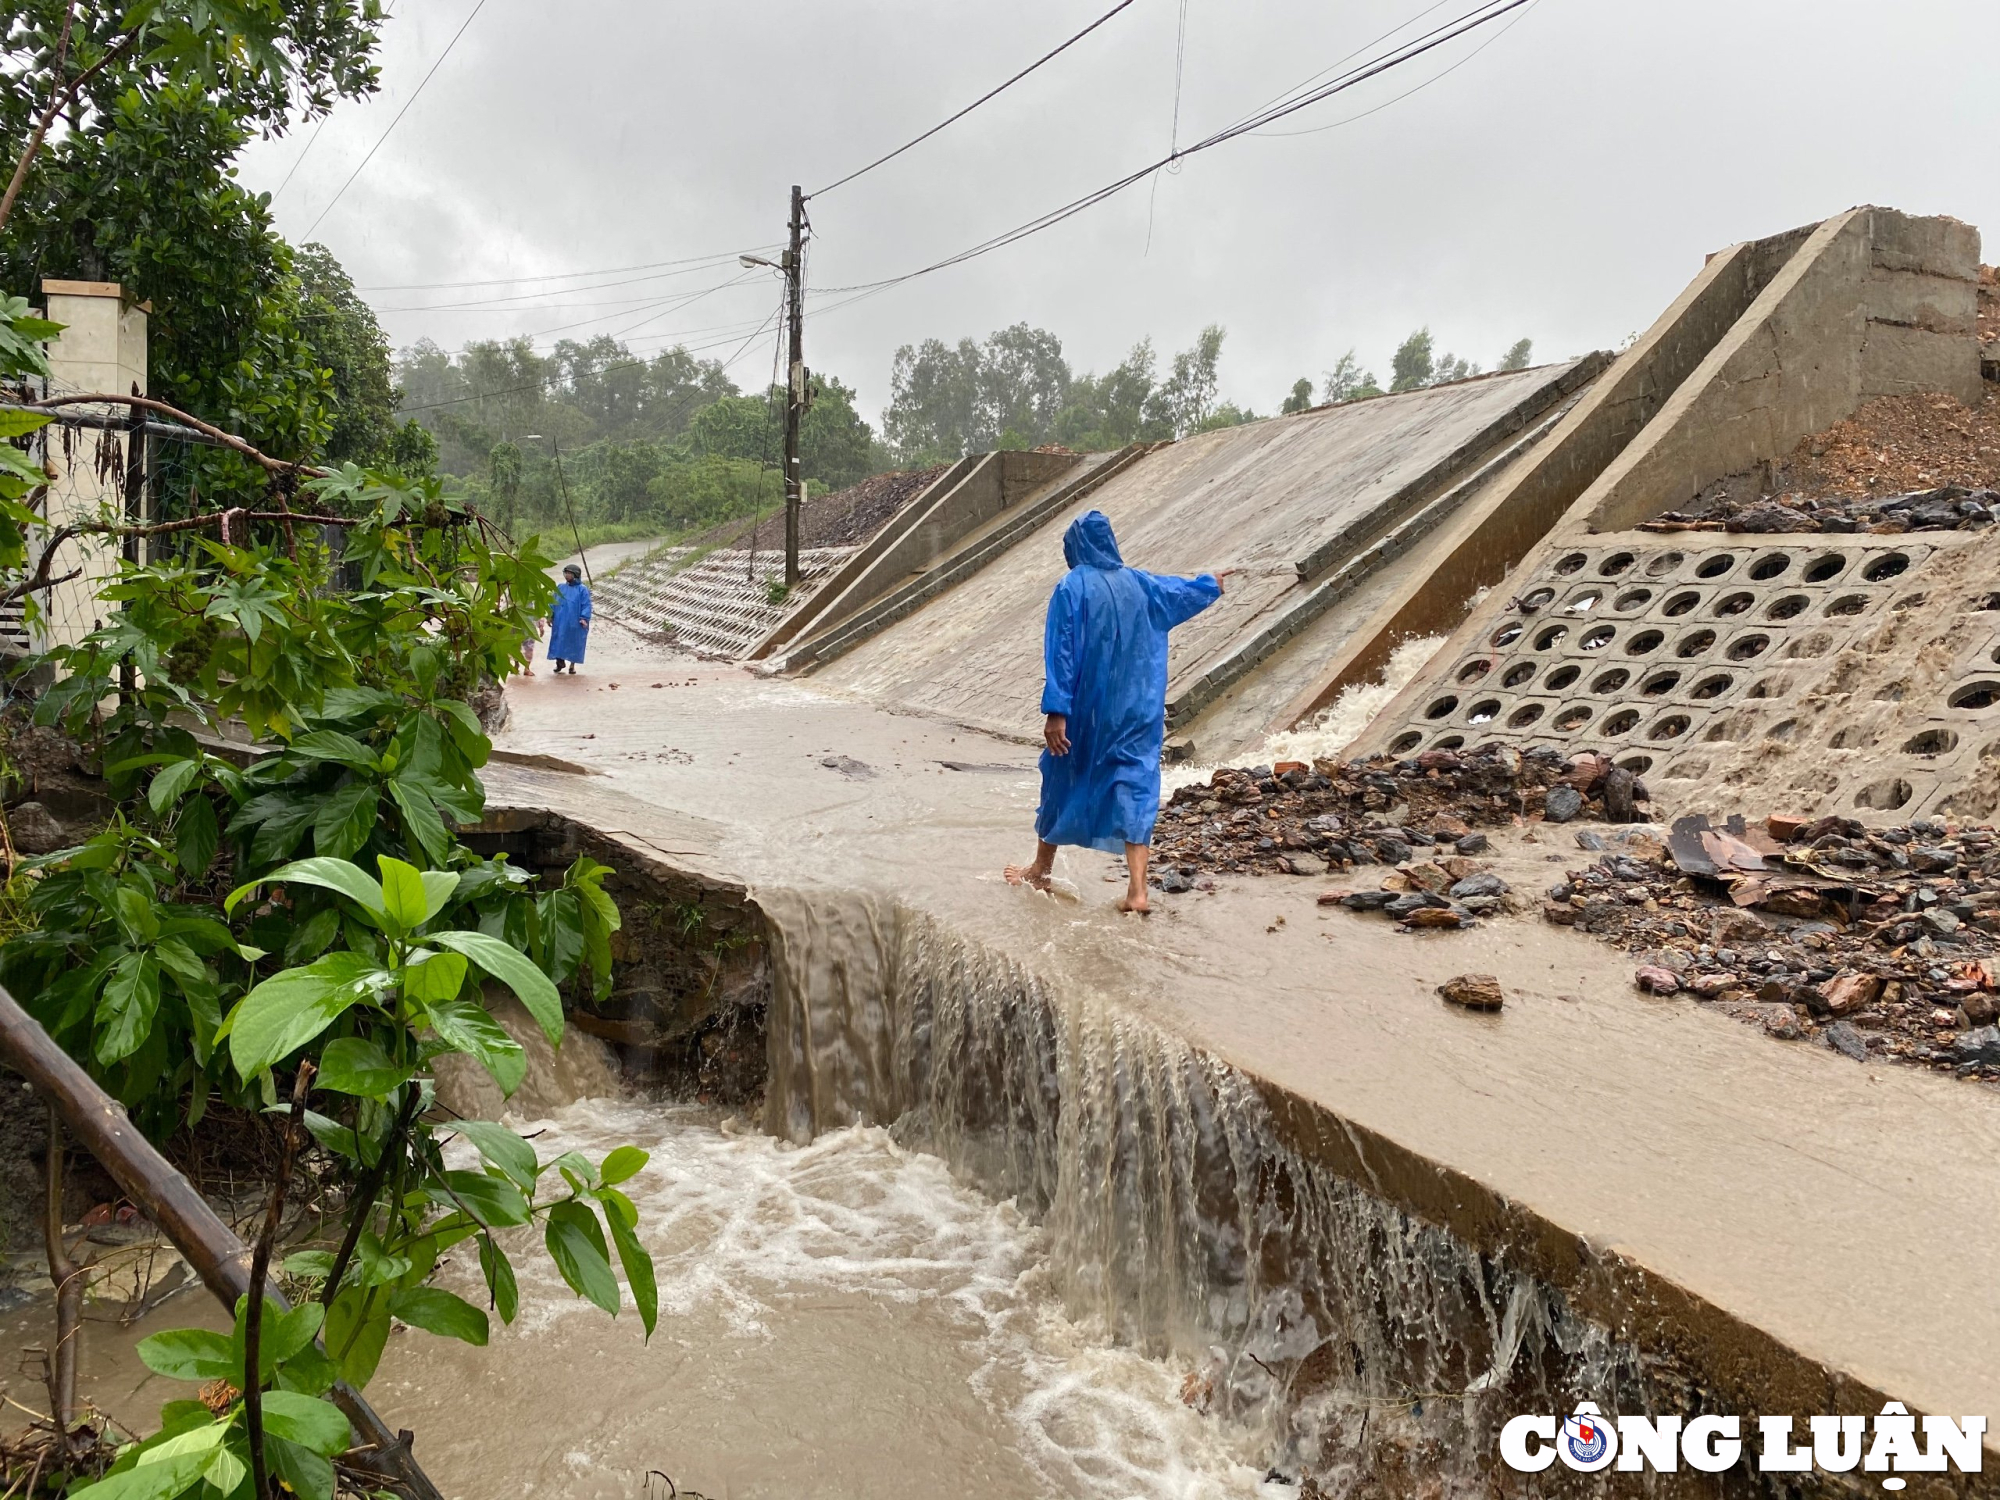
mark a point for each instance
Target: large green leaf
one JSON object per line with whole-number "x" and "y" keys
{"x": 499, "y": 1272}
{"x": 503, "y": 1149}
{"x": 577, "y": 1243}
{"x": 152, "y": 1478}
{"x": 196, "y": 837}
{"x": 307, "y": 1474}
{"x": 291, "y": 1008}
{"x": 306, "y": 1420}
{"x": 169, "y": 786}
{"x": 349, "y": 880}
{"x": 357, "y": 1326}
{"x": 137, "y": 918}
{"x": 420, "y": 819}
{"x": 191, "y": 1354}
{"x": 431, "y": 976}
{"x": 345, "y": 820}
{"x": 437, "y": 1311}
{"x": 622, "y": 1164}
{"x": 127, "y": 1007}
{"x": 355, "y": 1065}
{"x": 495, "y": 1202}
{"x": 331, "y": 744}
{"x": 623, "y": 1220}
{"x": 466, "y": 1027}
{"x": 403, "y": 894}
{"x": 514, "y": 969}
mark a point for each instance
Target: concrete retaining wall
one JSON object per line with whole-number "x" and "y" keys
{"x": 1498, "y": 529}
{"x": 1876, "y": 303}
{"x": 965, "y": 497}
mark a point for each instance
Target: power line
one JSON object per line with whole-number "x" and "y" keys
{"x": 990, "y": 94}
{"x": 693, "y": 260}
{"x": 1481, "y": 15}
{"x": 1443, "y": 73}
{"x": 476, "y": 9}
{"x": 498, "y": 303}
{"x": 314, "y": 141}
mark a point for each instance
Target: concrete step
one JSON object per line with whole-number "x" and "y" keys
{"x": 718, "y": 605}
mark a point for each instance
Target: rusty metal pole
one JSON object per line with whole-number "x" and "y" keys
{"x": 183, "y": 1215}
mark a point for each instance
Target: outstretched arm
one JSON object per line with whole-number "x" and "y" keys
{"x": 1174, "y": 600}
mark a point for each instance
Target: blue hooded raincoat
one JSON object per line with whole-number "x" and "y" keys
{"x": 567, "y": 637}
{"x": 1105, "y": 659}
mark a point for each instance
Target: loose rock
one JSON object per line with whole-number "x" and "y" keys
{"x": 1473, "y": 991}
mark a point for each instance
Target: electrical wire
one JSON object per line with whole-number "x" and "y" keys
{"x": 476, "y": 9}
{"x": 1481, "y": 15}
{"x": 693, "y": 260}
{"x": 498, "y": 303}
{"x": 990, "y": 94}
{"x": 1282, "y": 135}
{"x": 312, "y": 142}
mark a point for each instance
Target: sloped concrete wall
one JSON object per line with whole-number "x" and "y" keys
{"x": 1876, "y": 303}
{"x": 1500, "y": 526}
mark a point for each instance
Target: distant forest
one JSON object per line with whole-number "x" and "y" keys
{"x": 671, "y": 445}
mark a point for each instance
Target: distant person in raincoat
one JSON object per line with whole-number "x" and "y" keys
{"x": 569, "y": 621}
{"x": 1104, "y": 652}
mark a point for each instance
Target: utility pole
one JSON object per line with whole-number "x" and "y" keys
{"x": 795, "y": 387}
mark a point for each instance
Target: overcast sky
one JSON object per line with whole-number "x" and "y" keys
{"x": 1563, "y": 183}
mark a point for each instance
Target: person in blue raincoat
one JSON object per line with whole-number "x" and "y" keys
{"x": 569, "y": 621}
{"x": 1104, "y": 693}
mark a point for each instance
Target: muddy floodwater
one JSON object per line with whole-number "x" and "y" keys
{"x": 839, "y": 1319}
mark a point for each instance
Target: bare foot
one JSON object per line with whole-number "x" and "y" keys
{"x": 1028, "y": 875}
{"x": 1137, "y": 902}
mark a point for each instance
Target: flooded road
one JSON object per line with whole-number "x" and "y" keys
{"x": 837, "y": 1320}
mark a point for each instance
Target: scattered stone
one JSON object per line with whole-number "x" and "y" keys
{"x": 1708, "y": 986}
{"x": 1657, "y": 981}
{"x": 1843, "y": 1038}
{"x": 1478, "y": 885}
{"x": 1562, "y": 804}
{"x": 1472, "y": 843}
{"x": 1976, "y": 1010}
{"x": 1174, "y": 881}
{"x": 1978, "y": 1046}
{"x": 1846, "y": 993}
{"x": 848, "y": 766}
{"x": 35, "y": 830}
{"x": 1435, "y": 916}
{"x": 1305, "y": 864}
{"x": 1473, "y": 991}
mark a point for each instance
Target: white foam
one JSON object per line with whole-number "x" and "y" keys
{"x": 1333, "y": 728}
{"x": 748, "y": 1224}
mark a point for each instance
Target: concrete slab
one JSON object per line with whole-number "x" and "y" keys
{"x": 1264, "y": 499}
{"x": 1847, "y": 1216}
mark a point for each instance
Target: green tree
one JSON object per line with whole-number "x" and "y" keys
{"x": 836, "y": 447}
{"x": 1517, "y": 357}
{"x": 345, "y": 340}
{"x": 1414, "y": 362}
{"x": 1109, "y": 410}
{"x": 1301, "y": 398}
{"x": 134, "y": 183}
{"x": 1185, "y": 400}
{"x": 1347, "y": 381}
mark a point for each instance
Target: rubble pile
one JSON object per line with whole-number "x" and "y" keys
{"x": 843, "y": 518}
{"x": 1895, "y": 447}
{"x": 1950, "y": 507}
{"x": 1423, "y": 814}
{"x": 1878, "y": 942}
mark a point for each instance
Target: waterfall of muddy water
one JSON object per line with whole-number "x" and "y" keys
{"x": 840, "y": 1319}
{"x": 1182, "y": 1215}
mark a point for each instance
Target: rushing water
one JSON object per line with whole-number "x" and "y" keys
{"x": 843, "y": 1318}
